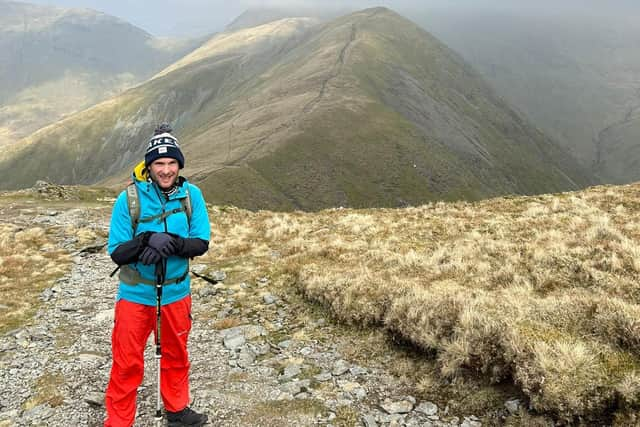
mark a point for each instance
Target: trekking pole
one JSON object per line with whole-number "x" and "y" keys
{"x": 160, "y": 272}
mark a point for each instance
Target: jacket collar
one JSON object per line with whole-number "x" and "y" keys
{"x": 140, "y": 177}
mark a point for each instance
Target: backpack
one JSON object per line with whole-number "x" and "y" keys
{"x": 133, "y": 202}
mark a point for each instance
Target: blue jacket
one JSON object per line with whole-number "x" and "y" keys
{"x": 153, "y": 202}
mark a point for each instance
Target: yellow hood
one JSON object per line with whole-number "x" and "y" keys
{"x": 140, "y": 172}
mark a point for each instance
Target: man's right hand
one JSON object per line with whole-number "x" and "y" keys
{"x": 150, "y": 256}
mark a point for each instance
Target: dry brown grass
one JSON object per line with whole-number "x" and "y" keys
{"x": 47, "y": 391}
{"x": 29, "y": 262}
{"x": 541, "y": 292}
{"x": 346, "y": 416}
{"x": 228, "y": 322}
{"x": 279, "y": 412}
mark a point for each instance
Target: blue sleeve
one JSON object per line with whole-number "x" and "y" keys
{"x": 120, "y": 230}
{"x": 199, "y": 227}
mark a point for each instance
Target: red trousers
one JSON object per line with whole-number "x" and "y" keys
{"x": 133, "y": 325}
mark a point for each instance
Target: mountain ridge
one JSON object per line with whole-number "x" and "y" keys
{"x": 56, "y": 61}
{"x": 308, "y": 119}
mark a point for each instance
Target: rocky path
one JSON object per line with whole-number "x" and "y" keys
{"x": 255, "y": 360}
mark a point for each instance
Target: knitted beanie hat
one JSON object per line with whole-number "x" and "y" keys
{"x": 163, "y": 144}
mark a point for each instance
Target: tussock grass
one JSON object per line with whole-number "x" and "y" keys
{"x": 276, "y": 412}
{"x": 47, "y": 391}
{"x": 29, "y": 261}
{"x": 228, "y": 322}
{"x": 540, "y": 292}
{"x": 346, "y": 416}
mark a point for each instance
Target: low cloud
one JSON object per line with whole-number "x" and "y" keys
{"x": 198, "y": 17}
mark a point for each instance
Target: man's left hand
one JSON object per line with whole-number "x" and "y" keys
{"x": 163, "y": 243}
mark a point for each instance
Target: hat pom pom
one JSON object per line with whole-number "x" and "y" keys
{"x": 162, "y": 128}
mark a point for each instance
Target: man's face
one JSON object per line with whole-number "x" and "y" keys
{"x": 164, "y": 171}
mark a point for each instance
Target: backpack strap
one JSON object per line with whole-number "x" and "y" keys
{"x": 186, "y": 203}
{"x": 161, "y": 216}
{"x": 131, "y": 276}
{"x": 133, "y": 202}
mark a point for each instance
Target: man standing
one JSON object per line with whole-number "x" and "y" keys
{"x": 157, "y": 224}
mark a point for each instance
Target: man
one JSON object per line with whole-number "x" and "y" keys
{"x": 172, "y": 226}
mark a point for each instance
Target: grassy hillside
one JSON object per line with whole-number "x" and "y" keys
{"x": 539, "y": 292}
{"x": 535, "y": 297}
{"x": 366, "y": 110}
{"x": 56, "y": 61}
{"x": 620, "y": 158}
{"x": 198, "y": 97}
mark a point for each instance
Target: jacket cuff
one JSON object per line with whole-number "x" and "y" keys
{"x": 189, "y": 247}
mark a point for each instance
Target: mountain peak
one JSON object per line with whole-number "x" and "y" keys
{"x": 367, "y": 110}
{"x": 255, "y": 16}
{"x": 379, "y": 9}
{"x": 238, "y": 41}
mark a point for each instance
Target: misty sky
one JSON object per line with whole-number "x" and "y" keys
{"x": 199, "y": 17}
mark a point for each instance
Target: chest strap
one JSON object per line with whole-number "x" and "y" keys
{"x": 160, "y": 217}
{"x": 131, "y": 276}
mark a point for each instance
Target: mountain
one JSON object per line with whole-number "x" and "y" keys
{"x": 366, "y": 110}
{"x": 56, "y": 61}
{"x": 573, "y": 71}
{"x": 256, "y": 16}
{"x": 620, "y": 160}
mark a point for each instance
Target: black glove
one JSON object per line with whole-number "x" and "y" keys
{"x": 150, "y": 256}
{"x": 163, "y": 243}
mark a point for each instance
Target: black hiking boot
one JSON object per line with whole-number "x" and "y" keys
{"x": 186, "y": 417}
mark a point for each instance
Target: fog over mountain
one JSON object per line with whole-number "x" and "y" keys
{"x": 56, "y": 61}
{"x": 571, "y": 71}
{"x": 570, "y": 68}
{"x": 197, "y": 17}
